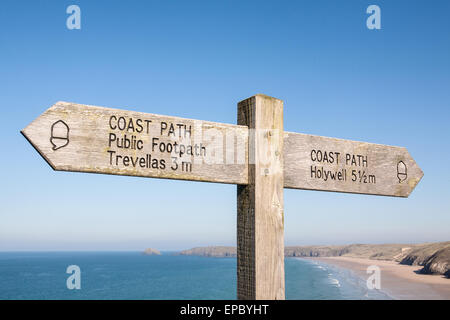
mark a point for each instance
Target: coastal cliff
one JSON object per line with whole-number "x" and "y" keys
{"x": 151, "y": 252}
{"x": 367, "y": 251}
{"x": 434, "y": 257}
{"x": 213, "y": 251}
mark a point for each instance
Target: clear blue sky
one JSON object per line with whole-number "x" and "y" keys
{"x": 197, "y": 59}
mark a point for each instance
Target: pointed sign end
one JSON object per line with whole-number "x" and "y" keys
{"x": 29, "y": 139}
{"x": 414, "y": 181}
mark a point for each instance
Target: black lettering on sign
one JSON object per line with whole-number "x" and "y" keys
{"x": 332, "y": 173}
{"x": 325, "y": 156}
{"x": 356, "y": 160}
{"x": 128, "y": 124}
{"x": 179, "y": 130}
{"x": 125, "y": 142}
{"x": 125, "y": 137}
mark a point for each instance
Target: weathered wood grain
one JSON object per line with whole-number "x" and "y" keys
{"x": 89, "y": 147}
{"x": 356, "y": 167}
{"x": 260, "y": 219}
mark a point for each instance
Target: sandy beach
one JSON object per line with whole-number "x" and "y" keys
{"x": 398, "y": 281}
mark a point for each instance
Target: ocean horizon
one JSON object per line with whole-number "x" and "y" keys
{"x": 125, "y": 275}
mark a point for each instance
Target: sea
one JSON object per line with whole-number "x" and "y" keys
{"x": 132, "y": 275}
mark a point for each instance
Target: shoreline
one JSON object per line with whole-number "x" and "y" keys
{"x": 401, "y": 282}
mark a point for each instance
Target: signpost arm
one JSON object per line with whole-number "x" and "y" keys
{"x": 260, "y": 213}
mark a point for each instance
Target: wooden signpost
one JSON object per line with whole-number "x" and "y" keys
{"x": 329, "y": 164}
{"x": 256, "y": 155}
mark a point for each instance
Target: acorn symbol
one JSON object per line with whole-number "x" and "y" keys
{"x": 402, "y": 172}
{"x": 59, "y": 136}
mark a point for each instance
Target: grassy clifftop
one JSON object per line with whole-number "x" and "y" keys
{"x": 434, "y": 257}
{"x": 368, "y": 251}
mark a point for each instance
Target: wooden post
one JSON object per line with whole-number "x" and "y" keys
{"x": 260, "y": 213}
